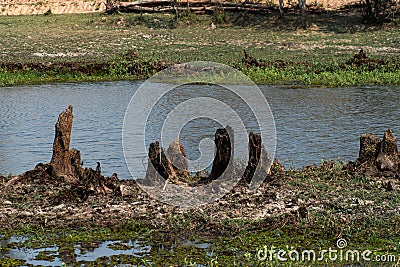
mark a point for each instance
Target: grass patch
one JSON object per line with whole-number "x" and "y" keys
{"x": 314, "y": 56}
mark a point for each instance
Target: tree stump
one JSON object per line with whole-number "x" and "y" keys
{"x": 388, "y": 158}
{"x": 177, "y": 156}
{"x": 376, "y": 156}
{"x": 368, "y": 147}
{"x": 159, "y": 167}
{"x": 223, "y": 159}
{"x": 258, "y": 159}
{"x": 65, "y": 162}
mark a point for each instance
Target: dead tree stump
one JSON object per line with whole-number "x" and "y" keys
{"x": 368, "y": 147}
{"x": 158, "y": 166}
{"x": 177, "y": 156}
{"x": 388, "y": 158}
{"x": 376, "y": 156}
{"x": 65, "y": 162}
{"x": 258, "y": 159}
{"x": 223, "y": 159}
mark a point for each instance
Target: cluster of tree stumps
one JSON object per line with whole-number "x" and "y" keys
{"x": 171, "y": 166}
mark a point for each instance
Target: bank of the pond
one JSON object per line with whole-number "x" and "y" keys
{"x": 310, "y": 208}
{"x": 269, "y": 76}
{"x": 98, "y": 47}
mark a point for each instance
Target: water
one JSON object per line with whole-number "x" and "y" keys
{"x": 312, "y": 124}
{"x": 80, "y": 253}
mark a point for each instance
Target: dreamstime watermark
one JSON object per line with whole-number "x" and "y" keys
{"x": 167, "y": 105}
{"x": 337, "y": 254}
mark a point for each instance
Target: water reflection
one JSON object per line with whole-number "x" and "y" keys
{"x": 81, "y": 253}
{"x": 84, "y": 253}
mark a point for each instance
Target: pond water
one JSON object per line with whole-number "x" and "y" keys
{"x": 81, "y": 254}
{"x": 311, "y": 123}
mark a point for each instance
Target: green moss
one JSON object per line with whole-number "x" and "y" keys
{"x": 6, "y": 262}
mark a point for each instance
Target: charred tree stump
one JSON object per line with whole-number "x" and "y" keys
{"x": 159, "y": 167}
{"x": 258, "y": 159}
{"x": 177, "y": 156}
{"x": 65, "y": 162}
{"x": 376, "y": 156}
{"x": 154, "y": 159}
{"x": 254, "y": 156}
{"x": 388, "y": 158}
{"x": 223, "y": 159}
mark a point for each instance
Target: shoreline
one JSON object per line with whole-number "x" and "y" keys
{"x": 385, "y": 74}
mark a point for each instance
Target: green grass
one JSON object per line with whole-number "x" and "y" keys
{"x": 314, "y": 56}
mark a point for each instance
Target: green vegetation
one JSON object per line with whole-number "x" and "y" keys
{"x": 55, "y": 48}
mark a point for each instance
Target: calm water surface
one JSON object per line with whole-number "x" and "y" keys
{"x": 311, "y": 124}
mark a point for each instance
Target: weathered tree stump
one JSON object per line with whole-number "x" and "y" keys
{"x": 65, "y": 162}
{"x": 368, "y": 147}
{"x": 159, "y": 167}
{"x": 167, "y": 169}
{"x": 223, "y": 159}
{"x": 177, "y": 156}
{"x": 376, "y": 156}
{"x": 388, "y": 158}
{"x": 258, "y": 159}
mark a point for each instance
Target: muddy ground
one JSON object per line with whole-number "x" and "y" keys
{"x": 286, "y": 197}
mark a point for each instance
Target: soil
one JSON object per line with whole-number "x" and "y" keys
{"x": 133, "y": 66}
{"x": 52, "y": 203}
